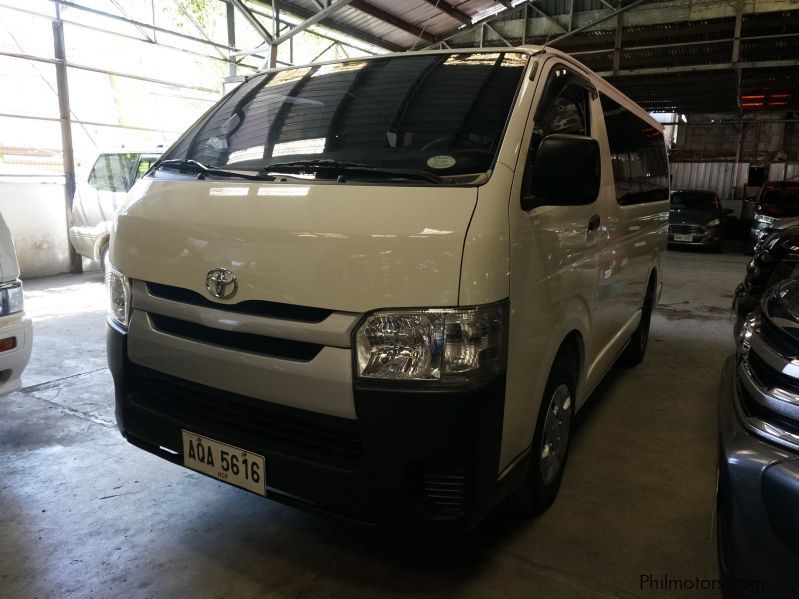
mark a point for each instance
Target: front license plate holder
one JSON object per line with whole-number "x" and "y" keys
{"x": 224, "y": 462}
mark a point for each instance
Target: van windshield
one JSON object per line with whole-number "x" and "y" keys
{"x": 443, "y": 114}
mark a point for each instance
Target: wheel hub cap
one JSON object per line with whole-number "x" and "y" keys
{"x": 555, "y": 435}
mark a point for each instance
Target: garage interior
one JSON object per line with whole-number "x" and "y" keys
{"x": 83, "y": 513}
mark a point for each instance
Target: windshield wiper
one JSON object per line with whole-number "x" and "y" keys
{"x": 312, "y": 166}
{"x": 195, "y": 166}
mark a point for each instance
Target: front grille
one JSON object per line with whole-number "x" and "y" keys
{"x": 444, "y": 488}
{"x": 251, "y": 307}
{"x": 677, "y": 229}
{"x": 752, "y": 409}
{"x": 784, "y": 343}
{"x": 247, "y": 342}
{"x": 769, "y": 377}
{"x": 244, "y": 421}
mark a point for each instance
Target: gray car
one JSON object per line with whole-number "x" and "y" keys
{"x": 758, "y": 492}
{"x": 696, "y": 219}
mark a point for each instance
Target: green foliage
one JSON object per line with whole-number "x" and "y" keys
{"x": 201, "y": 10}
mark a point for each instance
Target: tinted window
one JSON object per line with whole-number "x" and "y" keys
{"x": 638, "y": 155}
{"x": 694, "y": 200}
{"x": 563, "y": 109}
{"x": 398, "y": 112}
{"x": 113, "y": 172}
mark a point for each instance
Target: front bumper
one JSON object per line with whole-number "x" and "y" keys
{"x": 758, "y": 500}
{"x": 14, "y": 361}
{"x": 415, "y": 460}
{"x": 88, "y": 241}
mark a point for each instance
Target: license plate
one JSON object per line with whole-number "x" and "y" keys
{"x": 224, "y": 462}
{"x": 688, "y": 238}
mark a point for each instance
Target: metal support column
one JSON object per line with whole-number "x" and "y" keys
{"x": 231, "y": 36}
{"x": 617, "y": 44}
{"x": 75, "y": 264}
{"x": 275, "y": 34}
{"x": 526, "y": 17}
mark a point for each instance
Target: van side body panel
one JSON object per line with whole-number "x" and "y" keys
{"x": 566, "y": 280}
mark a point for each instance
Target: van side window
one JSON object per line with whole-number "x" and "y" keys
{"x": 638, "y": 156}
{"x": 563, "y": 109}
{"x": 113, "y": 172}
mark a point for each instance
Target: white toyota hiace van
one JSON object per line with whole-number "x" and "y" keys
{"x": 100, "y": 194}
{"x": 16, "y": 329}
{"x": 382, "y": 287}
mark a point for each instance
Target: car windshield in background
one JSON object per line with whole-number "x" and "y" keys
{"x": 394, "y": 117}
{"x": 781, "y": 193}
{"x": 687, "y": 200}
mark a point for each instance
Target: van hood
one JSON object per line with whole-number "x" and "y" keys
{"x": 340, "y": 247}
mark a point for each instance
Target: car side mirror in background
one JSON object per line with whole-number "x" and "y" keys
{"x": 566, "y": 172}
{"x": 750, "y": 199}
{"x": 728, "y": 211}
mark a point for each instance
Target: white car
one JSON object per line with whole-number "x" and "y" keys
{"x": 16, "y": 330}
{"x": 100, "y": 194}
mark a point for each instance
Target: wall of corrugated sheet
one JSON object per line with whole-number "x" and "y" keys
{"x": 715, "y": 176}
{"x": 783, "y": 171}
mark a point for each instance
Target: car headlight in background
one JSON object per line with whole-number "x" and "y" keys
{"x": 11, "y": 300}
{"x": 452, "y": 345}
{"x": 118, "y": 286}
{"x": 713, "y": 223}
{"x": 762, "y": 220}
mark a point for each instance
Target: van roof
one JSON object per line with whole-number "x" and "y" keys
{"x": 601, "y": 85}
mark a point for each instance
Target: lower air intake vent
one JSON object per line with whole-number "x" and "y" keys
{"x": 445, "y": 489}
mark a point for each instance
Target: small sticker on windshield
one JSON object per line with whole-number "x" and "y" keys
{"x": 441, "y": 161}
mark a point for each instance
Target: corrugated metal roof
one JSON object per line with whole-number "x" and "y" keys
{"x": 400, "y": 24}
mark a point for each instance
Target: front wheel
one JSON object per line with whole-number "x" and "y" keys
{"x": 551, "y": 441}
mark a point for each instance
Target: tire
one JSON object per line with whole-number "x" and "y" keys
{"x": 550, "y": 448}
{"x": 634, "y": 353}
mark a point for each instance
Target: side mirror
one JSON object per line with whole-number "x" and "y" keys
{"x": 728, "y": 211}
{"x": 566, "y": 172}
{"x": 750, "y": 199}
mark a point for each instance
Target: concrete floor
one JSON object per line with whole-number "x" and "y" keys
{"x": 84, "y": 514}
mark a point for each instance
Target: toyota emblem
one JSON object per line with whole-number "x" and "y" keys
{"x": 221, "y": 283}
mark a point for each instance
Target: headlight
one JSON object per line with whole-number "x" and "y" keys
{"x": 118, "y": 286}
{"x": 764, "y": 219}
{"x": 750, "y": 327}
{"x": 11, "y": 300}
{"x": 436, "y": 345}
{"x": 713, "y": 223}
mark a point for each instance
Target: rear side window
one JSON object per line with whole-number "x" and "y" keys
{"x": 113, "y": 172}
{"x": 638, "y": 155}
